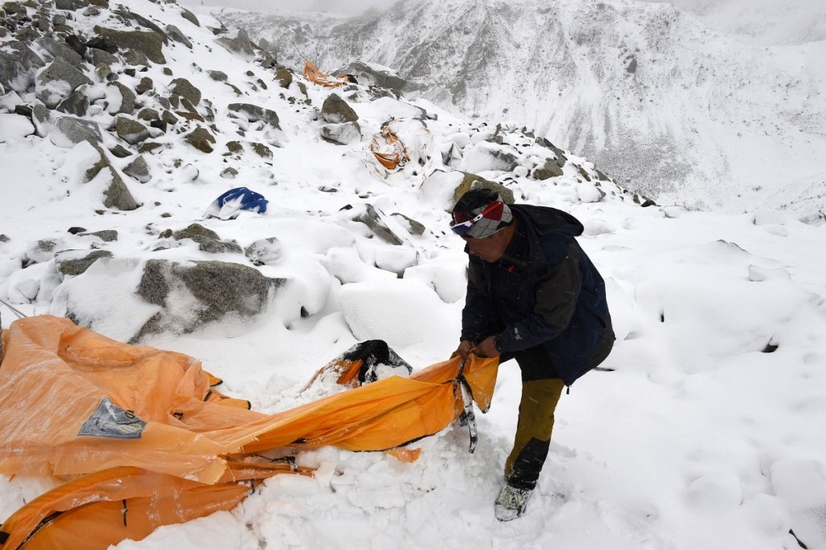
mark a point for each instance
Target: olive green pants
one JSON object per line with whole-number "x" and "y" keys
{"x": 533, "y": 431}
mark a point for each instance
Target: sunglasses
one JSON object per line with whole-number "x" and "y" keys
{"x": 463, "y": 223}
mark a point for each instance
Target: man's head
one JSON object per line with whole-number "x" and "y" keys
{"x": 485, "y": 222}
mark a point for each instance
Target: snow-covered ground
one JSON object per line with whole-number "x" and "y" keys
{"x": 707, "y": 433}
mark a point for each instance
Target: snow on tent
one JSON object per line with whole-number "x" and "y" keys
{"x": 229, "y": 204}
{"x": 388, "y": 149}
{"x": 314, "y": 74}
{"x": 402, "y": 146}
{"x": 146, "y": 442}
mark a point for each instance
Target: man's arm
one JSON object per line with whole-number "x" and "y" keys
{"x": 556, "y": 301}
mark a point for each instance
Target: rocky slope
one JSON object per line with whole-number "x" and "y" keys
{"x": 661, "y": 101}
{"x": 139, "y": 117}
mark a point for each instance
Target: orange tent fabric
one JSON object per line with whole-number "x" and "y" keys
{"x": 76, "y": 403}
{"x": 388, "y": 149}
{"x": 313, "y": 74}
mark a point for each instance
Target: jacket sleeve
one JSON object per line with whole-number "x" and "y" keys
{"x": 557, "y": 295}
{"x": 478, "y": 315}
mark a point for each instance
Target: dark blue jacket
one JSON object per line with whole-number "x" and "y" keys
{"x": 544, "y": 291}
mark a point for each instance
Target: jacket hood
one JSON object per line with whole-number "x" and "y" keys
{"x": 550, "y": 220}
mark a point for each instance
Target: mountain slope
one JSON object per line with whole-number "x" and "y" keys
{"x": 650, "y": 94}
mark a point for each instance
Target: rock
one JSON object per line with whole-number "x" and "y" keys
{"x": 335, "y": 110}
{"x": 548, "y": 170}
{"x": 76, "y": 103}
{"x": 240, "y": 44}
{"x": 138, "y": 169}
{"x": 184, "y": 88}
{"x": 17, "y": 66}
{"x": 74, "y": 42}
{"x": 189, "y": 16}
{"x": 103, "y": 44}
{"x": 208, "y": 240}
{"x": 200, "y": 292}
{"x": 254, "y": 113}
{"x": 143, "y": 21}
{"x": 136, "y": 59}
{"x": 201, "y": 139}
{"x": 412, "y": 226}
{"x": 145, "y": 85}
{"x": 148, "y": 114}
{"x": 61, "y": 50}
{"x": 148, "y": 43}
{"x": 76, "y": 130}
{"x": 342, "y": 134}
{"x": 130, "y": 130}
{"x": 42, "y": 250}
{"x": 264, "y": 251}
{"x": 76, "y": 262}
{"x": 121, "y": 99}
{"x": 117, "y": 195}
{"x": 178, "y": 36}
{"x": 486, "y": 156}
{"x": 371, "y": 217}
{"x": 120, "y": 151}
{"x": 218, "y": 76}
{"x": 105, "y": 235}
{"x": 229, "y": 173}
{"x": 262, "y": 150}
{"x": 368, "y": 76}
{"x": 57, "y": 81}
{"x": 284, "y": 76}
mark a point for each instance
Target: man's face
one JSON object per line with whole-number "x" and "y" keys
{"x": 490, "y": 248}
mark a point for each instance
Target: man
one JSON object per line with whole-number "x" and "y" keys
{"x": 533, "y": 295}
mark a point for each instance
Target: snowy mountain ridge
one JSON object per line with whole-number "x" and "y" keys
{"x": 652, "y": 96}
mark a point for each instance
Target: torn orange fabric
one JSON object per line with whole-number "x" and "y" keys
{"x": 74, "y": 402}
{"x": 314, "y": 75}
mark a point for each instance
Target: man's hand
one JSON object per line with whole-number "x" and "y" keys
{"x": 464, "y": 349}
{"x": 486, "y": 348}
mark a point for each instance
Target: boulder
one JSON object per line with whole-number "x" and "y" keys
{"x": 138, "y": 169}
{"x": 148, "y": 43}
{"x": 121, "y": 99}
{"x": 199, "y": 292}
{"x": 184, "y": 88}
{"x": 76, "y": 130}
{"x": 368, "y": 76}
{"x": 76, "y": 262}
{"x": 201, "y": 139}
{"x": 178, "y": 36}
{"x": 254, "y": 113}
{"x": 130, "y": 130}
{"x": 57, "y": 81}
{"x": 240, "y": 44}
{"x": 264, "y": 251}
{"x": 61, "y": 50}
{"x": 550, "y": 169}
{"x": 208, "y": 240}
{"x": 336, "y": 111}
{"x": 17, "y": 66}
{"x": 372, "y": 218}
{"x": 76, "y": 103}
{"x": 342, "y": 134}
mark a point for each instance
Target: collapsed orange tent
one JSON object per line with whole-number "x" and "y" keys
{"x": 314, "y": 74}
{"x": 388, "y": 149}
{"x": 76, "y": 403}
